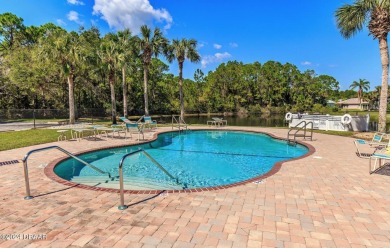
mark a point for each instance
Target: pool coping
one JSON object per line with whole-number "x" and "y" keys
{"x": 49, "y": 169}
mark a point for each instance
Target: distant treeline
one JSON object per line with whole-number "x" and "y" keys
{"x": 33, "y": 74}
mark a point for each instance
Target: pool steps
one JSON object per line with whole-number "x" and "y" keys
{"x": 130, "y": 183}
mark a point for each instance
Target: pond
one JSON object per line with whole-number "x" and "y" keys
{"x": 258, "y": 120}
{"x": 273, "y": 120}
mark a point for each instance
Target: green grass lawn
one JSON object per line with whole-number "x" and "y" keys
{"x": 17, "y": 139}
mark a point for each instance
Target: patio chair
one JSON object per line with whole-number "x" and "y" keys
{"x": 377, "y": 140}
{"x": 137, "y": 128}
{"x": 125, "y": 120}
{"x": 210, "y": 123}
{"x": 118, "y": 129}
{"x": 364, "y": 149}
{"x": 220, "y": 121}
{"x": 149, "y": 122}
{"x": 381, "y": 156}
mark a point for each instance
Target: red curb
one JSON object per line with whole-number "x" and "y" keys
{"x": 49, "y": 169}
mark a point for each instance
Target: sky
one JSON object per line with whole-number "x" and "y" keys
{"x": 300, "y": 32}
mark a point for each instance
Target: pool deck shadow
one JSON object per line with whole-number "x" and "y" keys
{"x": 53, "y": 192}
{"x": 327, "y": 199}
{"x": 146, "y": 199}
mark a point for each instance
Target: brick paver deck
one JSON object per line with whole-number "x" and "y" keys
{"x": 327, "y": 199}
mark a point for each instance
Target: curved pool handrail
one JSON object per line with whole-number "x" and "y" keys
{"x": 121, "y": 188}
{"x": 26, "y": 178}
{"x": 179, "y": 123}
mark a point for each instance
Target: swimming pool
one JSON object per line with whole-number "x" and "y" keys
{"x": 198, "y": 159}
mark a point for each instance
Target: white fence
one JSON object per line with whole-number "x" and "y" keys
{"x": 328, "y": 122}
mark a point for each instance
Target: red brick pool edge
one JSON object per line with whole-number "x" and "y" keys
{"x": 49, "y": 169}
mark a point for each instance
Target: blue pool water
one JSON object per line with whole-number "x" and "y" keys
{"x": 198, "y": 158}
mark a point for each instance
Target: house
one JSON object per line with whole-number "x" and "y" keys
{"x": 353, "y": 103}
{"x": 330, "y": 103}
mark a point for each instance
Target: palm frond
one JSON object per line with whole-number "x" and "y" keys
{"x": 351, "y": 18}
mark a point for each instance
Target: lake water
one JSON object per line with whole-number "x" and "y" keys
{"x": 273, "y": 120}
{"x": 252, "y": 120}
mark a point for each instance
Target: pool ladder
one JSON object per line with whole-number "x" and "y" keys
{"x": 179, "y": 123}
{"x": 300, "y": 131}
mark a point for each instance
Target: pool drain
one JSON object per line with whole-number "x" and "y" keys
{"x": 9, "y": 162}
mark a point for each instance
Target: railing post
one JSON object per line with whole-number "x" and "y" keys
{"x": 28, "y": 194}
{"x": 26, "y": 179}
{"x": 122, "y": 206}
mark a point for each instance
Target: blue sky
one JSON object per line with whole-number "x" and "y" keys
{"x": 301, "y": 32}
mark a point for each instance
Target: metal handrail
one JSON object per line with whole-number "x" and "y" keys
{"x": 26, "y": 178}
{"x": 179, "y": 122}
{"x": 121, "y": 188}
{"x": 304, "y": 127}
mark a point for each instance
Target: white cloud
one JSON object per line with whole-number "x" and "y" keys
{"x": 217, "y": 46}
{"x": 75, "y": 2}
{"x": 74, "y": 17}
{"x": 308, "y": 63}
{"x": 201, "y": 44}
{"x": 233, "y": 44}
{"x": 61, "y": 22}
{"x": 218, "y": 57}
{"x": 132, "y": 14}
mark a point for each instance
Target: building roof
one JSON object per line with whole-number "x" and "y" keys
{"x": 352, "y": 101}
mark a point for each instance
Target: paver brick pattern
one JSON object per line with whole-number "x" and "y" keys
{"x": 327, "y": 199}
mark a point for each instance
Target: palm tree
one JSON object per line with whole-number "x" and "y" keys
{"x": 127, "y": 49}
{"x": 64, "y": 48}
{"x": 377, "y": 94}
{"x": 109, "y": 56}
{"x": 150, "y": 45}
{"x": 351, "y": 19}
{"x": 180, "y": 50}
{"x": 362, "y": 85}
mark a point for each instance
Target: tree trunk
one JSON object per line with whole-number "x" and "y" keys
{"x": 124, "y": 92}
{"x": 146, "y": 90}
{"x": 72, "y": 118}
{"x": 113, "y": 102}
{"x": 181, "y": 90}
{"x": 384, "y": 51}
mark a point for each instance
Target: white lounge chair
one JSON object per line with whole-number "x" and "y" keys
{"x": 135, "y": 128}
{"x": 363, "y": 148}
{"x": 381, "y": 156}
{"x": 377, "y": 139}
{"x": 220, "y": 121}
